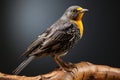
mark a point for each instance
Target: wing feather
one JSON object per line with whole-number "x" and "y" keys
{"x": 54, "y": 35}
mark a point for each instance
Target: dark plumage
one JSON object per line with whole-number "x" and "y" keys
{"x": 54, "y": 41}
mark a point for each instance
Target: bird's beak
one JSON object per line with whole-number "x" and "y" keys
{"x": 84, "y": 10}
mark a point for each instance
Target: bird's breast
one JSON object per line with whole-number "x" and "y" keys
{"x": 79, "y": 25}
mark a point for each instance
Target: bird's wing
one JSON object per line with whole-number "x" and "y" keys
{"x": 54, "y": 41}
{"x": 58, "y": 32}
{"x": 59, "y": 36}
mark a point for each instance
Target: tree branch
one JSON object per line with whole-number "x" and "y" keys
{"x": 84, "y": 71}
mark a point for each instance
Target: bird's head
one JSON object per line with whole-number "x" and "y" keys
{"x": 74, "y": 13}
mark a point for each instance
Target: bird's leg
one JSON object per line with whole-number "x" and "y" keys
{"x": 56, "y": 60}
{"x": 66, "y": 65}
{"x": 62, "y": 64}
{"x": 59, "y": 64}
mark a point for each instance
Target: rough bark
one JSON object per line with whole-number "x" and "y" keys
{"x": 83, "y": 71}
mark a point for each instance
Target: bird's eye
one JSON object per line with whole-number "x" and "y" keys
{"x": 74, "y": 10}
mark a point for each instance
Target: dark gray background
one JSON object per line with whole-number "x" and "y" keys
{"x": 23, "y": 20}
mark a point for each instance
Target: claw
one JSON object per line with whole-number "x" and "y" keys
{"x": 68, "y": 67}
{"x": 72, "y": 65}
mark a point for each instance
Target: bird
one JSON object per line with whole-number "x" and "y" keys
{"x": 57, "y": 39}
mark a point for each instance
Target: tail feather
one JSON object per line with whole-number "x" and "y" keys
{"x": 23, "y": 65}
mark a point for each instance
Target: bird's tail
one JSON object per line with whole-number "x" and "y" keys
{"x": 23, "y": 65}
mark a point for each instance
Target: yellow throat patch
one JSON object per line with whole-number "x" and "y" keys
{"x": 79, "y": 25}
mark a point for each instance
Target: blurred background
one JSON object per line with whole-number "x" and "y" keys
{"x": 21, "y": 21}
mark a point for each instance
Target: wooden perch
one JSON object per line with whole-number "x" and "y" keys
{"x": 84, "y": 71}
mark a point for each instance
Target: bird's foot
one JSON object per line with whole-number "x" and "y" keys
{"x": 65, "y": 69}
{"x": 68, "y": 67}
